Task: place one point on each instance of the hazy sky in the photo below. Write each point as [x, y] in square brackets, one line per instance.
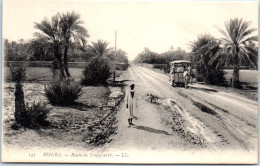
[154, 24]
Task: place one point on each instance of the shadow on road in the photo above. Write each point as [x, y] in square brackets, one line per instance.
[152, 130]
[202, 88]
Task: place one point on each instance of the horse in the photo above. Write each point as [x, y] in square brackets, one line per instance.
[187, 75]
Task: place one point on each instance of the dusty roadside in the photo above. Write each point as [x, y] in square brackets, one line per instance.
[183, 119]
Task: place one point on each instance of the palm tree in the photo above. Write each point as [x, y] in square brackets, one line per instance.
[52, 32]
[99, 48]
[203, 49]
[72, 30]
[237, 46]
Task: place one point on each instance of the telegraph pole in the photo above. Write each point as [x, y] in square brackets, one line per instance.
[115, 59]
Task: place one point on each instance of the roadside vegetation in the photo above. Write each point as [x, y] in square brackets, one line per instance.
[57, 99]
[203, 49]
[210, 56]
[96, 72]
[238, 47]
[63, 93]
[30, 115]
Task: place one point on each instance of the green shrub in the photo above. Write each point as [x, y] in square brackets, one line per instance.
[122, 66]
[203, 50]
[36, 114]
[211, 74]
[199, 77]
[63, 93]
[96, 72]
[18, 74]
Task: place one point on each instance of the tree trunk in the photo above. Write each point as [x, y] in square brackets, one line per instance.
[61, 67]
[235, 79]
[55, 67]
[66, 58]
[57, 55]
[20, 111]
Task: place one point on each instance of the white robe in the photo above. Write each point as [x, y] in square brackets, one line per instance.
[131, 104]
[172, 78]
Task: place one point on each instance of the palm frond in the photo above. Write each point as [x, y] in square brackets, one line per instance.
[250, 39]
[46, 27]
[245, 34]
[237, 35]
[226, 41]
[250, 56]
[214, 58]
[223, 32]
[99, 48]
[72, 28]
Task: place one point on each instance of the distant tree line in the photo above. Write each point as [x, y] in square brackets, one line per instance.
[148, 56]
[34, 51]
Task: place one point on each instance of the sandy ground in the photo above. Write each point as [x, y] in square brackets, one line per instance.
[184, 119]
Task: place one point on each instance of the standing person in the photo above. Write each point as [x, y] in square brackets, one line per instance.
[131, 103]
[187, 76]
[172, 76]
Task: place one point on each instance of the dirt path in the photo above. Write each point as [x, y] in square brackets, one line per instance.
[184, 119]
[148, 132]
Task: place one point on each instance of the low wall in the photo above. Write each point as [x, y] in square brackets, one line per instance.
[48, 64]
[44, 64]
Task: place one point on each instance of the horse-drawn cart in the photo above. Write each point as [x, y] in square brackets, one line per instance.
[180, 72]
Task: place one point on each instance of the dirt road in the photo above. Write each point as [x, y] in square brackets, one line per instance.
[171, 118]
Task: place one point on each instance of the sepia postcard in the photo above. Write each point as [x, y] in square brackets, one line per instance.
[147, 82]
